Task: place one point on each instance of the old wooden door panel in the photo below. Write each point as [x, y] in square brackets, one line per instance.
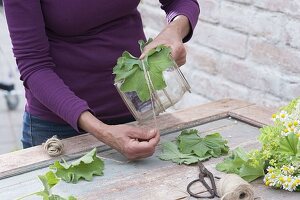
[150, 178]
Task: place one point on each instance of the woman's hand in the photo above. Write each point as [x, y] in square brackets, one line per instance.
[172, 37]
[133, 142]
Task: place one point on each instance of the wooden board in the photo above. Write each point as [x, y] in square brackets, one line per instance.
[149, 178]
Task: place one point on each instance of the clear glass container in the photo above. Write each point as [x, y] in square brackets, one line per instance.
[177, 86]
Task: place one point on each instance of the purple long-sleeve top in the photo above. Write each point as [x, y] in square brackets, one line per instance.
[65, 51]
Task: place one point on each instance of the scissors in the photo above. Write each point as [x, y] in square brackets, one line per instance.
[204, 173]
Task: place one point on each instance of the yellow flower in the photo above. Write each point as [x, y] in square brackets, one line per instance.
[281, 179]
[296, 123]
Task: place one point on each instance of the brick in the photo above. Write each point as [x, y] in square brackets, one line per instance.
[266, 99]
[203, 59]
[150, 32]
[215, 87]
[292, 33]
[250, 75]
[155, 4]
[264, 52]
[153, 18]
[291, 7]
[221, 39]
[236, 16]
[290, 87]
[210, 10]
[247, 2]
[188, 100]
[268, 25]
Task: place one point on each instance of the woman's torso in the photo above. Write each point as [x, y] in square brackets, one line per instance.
[86, 37]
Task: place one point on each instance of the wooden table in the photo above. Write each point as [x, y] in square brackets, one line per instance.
[150, 178]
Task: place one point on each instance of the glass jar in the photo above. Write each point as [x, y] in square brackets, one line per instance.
[161, 100]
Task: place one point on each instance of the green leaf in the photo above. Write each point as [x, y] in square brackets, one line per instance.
[142, 43]
[238, 163]
[289, 145]
[48, 180]
[250, 173]
[130, 73]
[57, 197]
[137, 82]
[171, 152]
[84, 168]
[192, 148]
[234, 162]
[191, 142]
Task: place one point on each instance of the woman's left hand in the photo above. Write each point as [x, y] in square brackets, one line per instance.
[172, 37]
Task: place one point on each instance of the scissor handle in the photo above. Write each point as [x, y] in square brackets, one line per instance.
[211, 191]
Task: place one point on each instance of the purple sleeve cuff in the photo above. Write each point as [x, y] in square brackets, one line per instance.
[188, 8]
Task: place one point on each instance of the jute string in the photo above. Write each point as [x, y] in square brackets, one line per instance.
[233, 187]
[53, 146]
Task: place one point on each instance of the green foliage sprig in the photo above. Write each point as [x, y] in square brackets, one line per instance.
[279, 157]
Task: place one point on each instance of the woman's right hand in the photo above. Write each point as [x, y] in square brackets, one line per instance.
[133, 142]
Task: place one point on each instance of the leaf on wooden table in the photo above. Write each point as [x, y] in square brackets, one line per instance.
[83, 168]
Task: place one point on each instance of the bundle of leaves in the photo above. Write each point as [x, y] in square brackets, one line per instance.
[279, 158]
[190, 148]
[130, 70]
[49, 180]
[83, 168]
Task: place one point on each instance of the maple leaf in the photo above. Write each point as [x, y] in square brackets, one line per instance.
[170, 152]
[83, 168]
[129, 70]
[190, 142]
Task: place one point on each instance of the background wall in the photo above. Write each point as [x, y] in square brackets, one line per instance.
[244, 49]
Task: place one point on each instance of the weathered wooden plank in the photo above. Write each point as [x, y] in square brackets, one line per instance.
[35, 158]
[149, 178]
[148, 173]
[255, 115]
[196, 115]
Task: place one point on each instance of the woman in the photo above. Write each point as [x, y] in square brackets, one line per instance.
[65, 52]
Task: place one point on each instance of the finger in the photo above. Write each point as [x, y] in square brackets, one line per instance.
[155, 140]
[180, 62]
[142, 135]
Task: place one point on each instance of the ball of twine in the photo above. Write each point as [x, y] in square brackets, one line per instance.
[233, 187]
[53, 146]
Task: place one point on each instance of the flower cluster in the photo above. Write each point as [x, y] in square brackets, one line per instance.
[278, 159]
[283, 178]
[283, 165]
[291, 122]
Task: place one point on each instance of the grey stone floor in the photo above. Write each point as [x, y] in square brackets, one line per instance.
[10, 121]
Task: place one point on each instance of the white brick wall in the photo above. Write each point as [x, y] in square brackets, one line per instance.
[243, 49]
